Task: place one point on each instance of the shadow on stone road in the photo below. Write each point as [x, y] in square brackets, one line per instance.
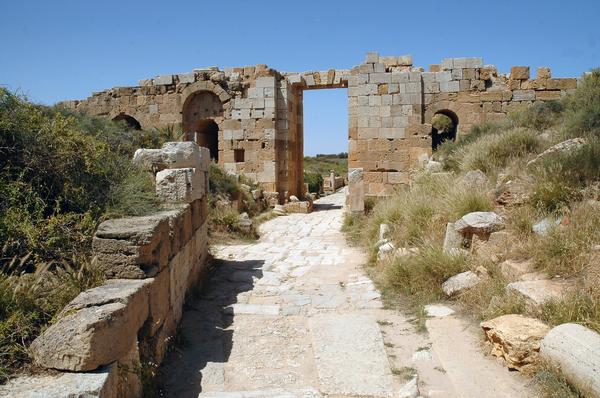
[203, 345]
[325, 207]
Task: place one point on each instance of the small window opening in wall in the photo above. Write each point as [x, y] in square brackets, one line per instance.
[238, 155]
[444, 125]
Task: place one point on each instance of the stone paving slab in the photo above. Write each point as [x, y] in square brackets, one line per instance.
[350, 355]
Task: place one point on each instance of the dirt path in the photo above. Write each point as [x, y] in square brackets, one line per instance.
[293, 315]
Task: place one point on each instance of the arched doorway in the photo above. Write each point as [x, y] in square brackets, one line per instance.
[444, 125]
[129, 120]
[206, 134]
[202, 113]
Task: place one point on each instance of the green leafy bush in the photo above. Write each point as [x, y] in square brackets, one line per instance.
[314, 181]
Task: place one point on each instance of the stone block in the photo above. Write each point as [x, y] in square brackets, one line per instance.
[519, 73]
[265, 81]
[97, 328]
[400, 77]
[543, 73]
[524, 95]
[405, 60]
[186, 78]
[99, 383]
[133, 247]
[163, 80]
[575, 351]
[479, 223]
[379, 78]
[516, 339]
[459, 283]
[449, 87]
[539, 292]
[452, 240]
[447, 63]
[180, 185]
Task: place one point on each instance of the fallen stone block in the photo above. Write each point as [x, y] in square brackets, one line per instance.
[460, 282]
[538, 292]
[452, 239]
[575, 351]
[561, 147]
[133, 247]
[479, 223]
[438, 310]
[95, 329]
[516, 339]
[475, 179]
[513, 270]
[298, 207]
[180, 185]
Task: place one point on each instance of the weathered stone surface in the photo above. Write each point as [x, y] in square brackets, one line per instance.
[298, 207]
[438, 310]
[519, 72]
[98, 327]
[173, 155]
[102, 383]
[538, 292]
[452, 239]
[133, 247]
[460, 282]
[475, 179]
[561, 147]
[516, 339]
[494, 248]
[479, 223]
[180, 185]
[542, 227]
[409, 390]
[384, 231]
[575, 351]
[513, 270]
[149, 159]
[350, 339]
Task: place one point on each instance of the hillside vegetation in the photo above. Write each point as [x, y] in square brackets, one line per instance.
[61, 174]
[562, 187]
[319, 166]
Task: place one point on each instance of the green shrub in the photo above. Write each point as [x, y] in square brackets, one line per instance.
[314, 181]
[494, 151]
[420, 277]
[539, 116]
[582, 114]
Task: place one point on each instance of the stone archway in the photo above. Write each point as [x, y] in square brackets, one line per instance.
[201, 115]
[129, 120]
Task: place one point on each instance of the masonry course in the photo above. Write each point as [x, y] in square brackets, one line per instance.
[258, 113]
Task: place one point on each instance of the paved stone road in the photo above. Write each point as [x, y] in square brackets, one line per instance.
[293, 315]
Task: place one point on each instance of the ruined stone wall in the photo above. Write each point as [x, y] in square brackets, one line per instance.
[101, 339]
[391, 104]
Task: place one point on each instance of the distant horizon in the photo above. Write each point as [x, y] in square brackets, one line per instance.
[66, 50]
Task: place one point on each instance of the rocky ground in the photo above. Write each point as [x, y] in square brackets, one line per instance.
[294, 315]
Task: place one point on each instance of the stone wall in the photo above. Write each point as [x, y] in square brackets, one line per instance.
[391, 104]
[101, 340]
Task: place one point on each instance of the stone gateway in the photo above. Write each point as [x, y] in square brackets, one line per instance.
[251, 118]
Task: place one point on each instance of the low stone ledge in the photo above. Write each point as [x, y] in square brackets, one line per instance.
[133, 247]
[97, 328]
[101, 383]
[575, 351]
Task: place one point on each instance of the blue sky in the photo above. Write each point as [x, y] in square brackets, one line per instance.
[56, 50]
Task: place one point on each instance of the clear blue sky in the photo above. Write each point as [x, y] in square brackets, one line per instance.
[56, 50]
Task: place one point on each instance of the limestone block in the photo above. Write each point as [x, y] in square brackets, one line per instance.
[475, 179]
[400, 77]
[479, 223]
[516, 339]
[97, 328]
[523, 95]
[163, 80]
[452, 239]
[575, 351]
[543, 73]
[265, 81]
[133, 247]
[180, 185]
[99, 383]
[460, 282]
[449, 87]
[447, 63]
[187, 78]
[298, 207]
[538, 292]
[186, 154]
[149, 159]
[513, 270]
[519, 73]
